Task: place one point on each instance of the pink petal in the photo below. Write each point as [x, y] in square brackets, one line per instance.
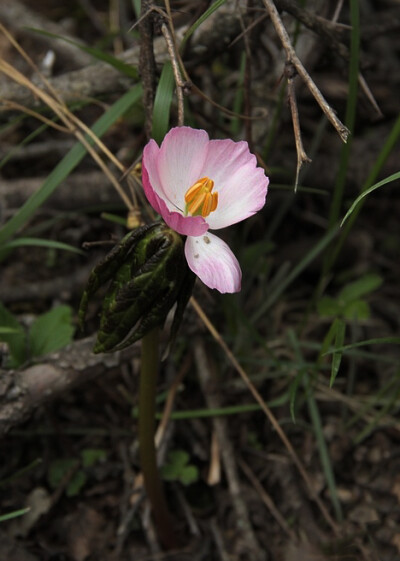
[185, 225]
[151, 181]
[180, 161]
[213, 262]
[241, 185]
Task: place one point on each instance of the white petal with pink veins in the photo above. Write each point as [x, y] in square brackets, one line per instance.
[185, 225]
[211, 259]
[180, 161]
[240, 184]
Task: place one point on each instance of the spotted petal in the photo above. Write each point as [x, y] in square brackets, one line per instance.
[211, 259]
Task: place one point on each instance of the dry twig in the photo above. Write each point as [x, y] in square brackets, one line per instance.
[147, 63]
[18, 16]
[302, 157]
[293, 59]
[271, 417]
[101, 78]
[207, 383]
[175, 68]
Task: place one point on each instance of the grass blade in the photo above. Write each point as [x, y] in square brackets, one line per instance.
[389, 179]
[351, 109]
[318, 429]
[162, 103]
[379, 341]
[201, 19]
[380, 161]
[98, 54]
[339, 330]
[67, 164]
[14, 514]
[40, 242]
[295, 272]
[323, 452]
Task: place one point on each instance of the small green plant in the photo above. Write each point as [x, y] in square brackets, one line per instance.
[48, 333]
[74, 470]
[177, 468]
[350, 303]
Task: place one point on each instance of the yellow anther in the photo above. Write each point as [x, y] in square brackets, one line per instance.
[199, 199]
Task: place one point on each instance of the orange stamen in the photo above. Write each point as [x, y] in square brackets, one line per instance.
[199, 199]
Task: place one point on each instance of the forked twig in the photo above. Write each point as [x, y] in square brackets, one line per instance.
[293, 59]
[302, 157]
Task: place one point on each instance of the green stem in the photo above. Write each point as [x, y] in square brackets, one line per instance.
[147, 449]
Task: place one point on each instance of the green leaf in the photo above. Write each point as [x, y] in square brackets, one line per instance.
[339, 329]
[74, 487]
[148, 274]
[361, 287]
[189, 475]
[162, 103]
[177, 464]
[91, 456]
[14, 335]
[328, 306]
[59, 469]
[51, 331]
[178, 458]
[68, 164]
[358, 309]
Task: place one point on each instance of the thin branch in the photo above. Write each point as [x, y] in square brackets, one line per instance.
[57, 105]
[147, 63]
[23, 391]
[291, 56]
[207, 382]
[180, 84]
[302, 157]
[271, 417]
[267, 500]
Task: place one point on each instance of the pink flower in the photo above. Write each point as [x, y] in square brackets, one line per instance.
[197, 184]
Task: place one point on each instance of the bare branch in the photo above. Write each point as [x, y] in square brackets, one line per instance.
[180, 84]
[341, 129]
[22, 391]
[302, 157]
[101, 78]
[147, 63]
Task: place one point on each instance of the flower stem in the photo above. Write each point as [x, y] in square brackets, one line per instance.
[147, 449]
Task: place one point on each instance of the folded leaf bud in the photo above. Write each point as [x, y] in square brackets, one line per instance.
[147, 274]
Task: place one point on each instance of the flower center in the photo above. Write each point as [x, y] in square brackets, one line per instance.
[199, 199]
